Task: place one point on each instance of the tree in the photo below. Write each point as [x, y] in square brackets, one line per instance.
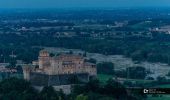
[136, 72]
[52, 55]
[161, 79]
[48, 93]
[121, 73]
[105, 68]
[16, 89]
[81, 97]
[168, 73]
[93, 85]
[114, 89]
[85, 54]
[106, 98]
[12, 63]
[70, 52]
[149, 78]
[91, 60]
[19, 69]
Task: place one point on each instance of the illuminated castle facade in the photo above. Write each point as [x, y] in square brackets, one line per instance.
[58, 69]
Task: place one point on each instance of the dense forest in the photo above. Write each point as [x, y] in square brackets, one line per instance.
[27, 46]
[18, 89]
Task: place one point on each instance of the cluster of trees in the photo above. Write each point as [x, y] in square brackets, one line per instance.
[105, 68]
[91, 60]
[18, 89]
[25, 53]
[110, 91]
[136, 72]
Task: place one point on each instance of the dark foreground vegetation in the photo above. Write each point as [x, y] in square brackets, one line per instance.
[18, 89]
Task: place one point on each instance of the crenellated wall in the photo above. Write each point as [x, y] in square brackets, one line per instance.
[64, 64]
[57, 71]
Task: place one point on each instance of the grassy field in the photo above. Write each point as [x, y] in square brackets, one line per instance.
[140, 81]
[103, 78]
[164, 97]
[163, 86]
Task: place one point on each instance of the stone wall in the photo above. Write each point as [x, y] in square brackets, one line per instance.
[65, 88]
[38, 79]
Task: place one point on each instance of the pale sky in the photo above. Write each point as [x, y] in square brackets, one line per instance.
[82, 3]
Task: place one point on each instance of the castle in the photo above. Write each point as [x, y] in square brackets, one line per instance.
[57, 70]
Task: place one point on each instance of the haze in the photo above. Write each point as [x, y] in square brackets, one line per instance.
[82, 3]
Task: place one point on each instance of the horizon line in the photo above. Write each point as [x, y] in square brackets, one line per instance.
[79, 8]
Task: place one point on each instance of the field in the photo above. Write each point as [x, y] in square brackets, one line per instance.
[163, 86]
[139, 81]
[163, 97]
[103, 78]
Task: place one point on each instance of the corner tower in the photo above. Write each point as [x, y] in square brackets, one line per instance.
[44, 59]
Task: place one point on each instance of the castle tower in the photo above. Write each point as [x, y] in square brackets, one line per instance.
[44, 59]
[26, 71]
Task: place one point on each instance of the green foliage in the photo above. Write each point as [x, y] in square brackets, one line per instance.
[81, 97]
[70, 52]
[93, 85]
[113, 88]
[168, 73]
[105, 68]
[85, 54]
[155, 49]
[48, 93]
[12, 63]
[19, 69]
[95, 91]
[121, 73]
[161, 79]
[16, 89]
[106, 98]
[91, 60]
[104, 77]
[52, 55]
[136, 72]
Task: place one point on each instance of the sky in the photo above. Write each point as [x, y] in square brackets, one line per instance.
[82, 3]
